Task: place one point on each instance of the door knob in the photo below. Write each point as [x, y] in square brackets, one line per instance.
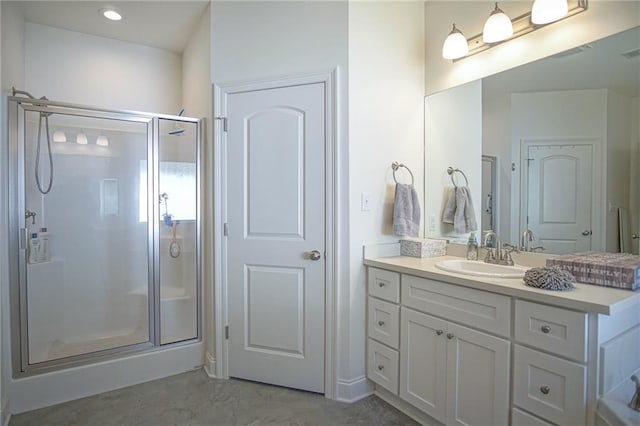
[314, 255]
[635, 236]
[587, 233]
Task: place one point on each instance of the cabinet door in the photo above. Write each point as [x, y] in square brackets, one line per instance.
[477, 378]
[423, 362]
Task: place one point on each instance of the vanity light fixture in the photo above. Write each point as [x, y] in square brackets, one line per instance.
[81, 139]
[111, 14]
[498, 27]
[547, 11]
[544, 12]
[455, 46]
[59, 136]
[102, 141]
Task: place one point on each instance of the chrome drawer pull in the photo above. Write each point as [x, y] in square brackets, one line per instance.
[439, 332]
[450, 336]
[381, 323]
[545, 329]
[545, 389]
[381, 367]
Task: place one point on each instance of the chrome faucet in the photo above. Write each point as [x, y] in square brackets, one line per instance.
[527, 238]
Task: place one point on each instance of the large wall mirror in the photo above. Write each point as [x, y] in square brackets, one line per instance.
[563, 137]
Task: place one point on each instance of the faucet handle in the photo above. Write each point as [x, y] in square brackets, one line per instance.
[490, 256]
[507, 260]
[541, 248]
[508, 248]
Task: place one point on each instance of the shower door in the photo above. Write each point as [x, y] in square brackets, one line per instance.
[90, 263]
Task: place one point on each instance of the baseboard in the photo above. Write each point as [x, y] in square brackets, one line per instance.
[353, 390]
[5, 416]
[210, 365]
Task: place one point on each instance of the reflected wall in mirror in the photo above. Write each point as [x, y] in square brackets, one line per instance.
[564, 130]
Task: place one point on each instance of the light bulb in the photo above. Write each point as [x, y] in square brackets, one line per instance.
[81, 139]
[545, 11]
[59, 136]
[455, 46]
[498, 27]
[102, 141]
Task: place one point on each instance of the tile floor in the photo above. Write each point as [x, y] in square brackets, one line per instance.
[194, 399]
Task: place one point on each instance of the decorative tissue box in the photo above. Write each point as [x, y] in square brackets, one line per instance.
[619, 270]
[416, 247]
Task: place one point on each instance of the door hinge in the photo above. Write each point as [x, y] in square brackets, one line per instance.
[226, 332]
[225, 229]
[224, 123]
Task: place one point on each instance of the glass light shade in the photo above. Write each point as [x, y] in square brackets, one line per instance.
[455, 46]
[498, 27]
[102, 141]
[545, 11]
[59, 136]
[81, 139]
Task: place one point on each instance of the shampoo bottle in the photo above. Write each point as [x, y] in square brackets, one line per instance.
[34, 248]
[44, 254]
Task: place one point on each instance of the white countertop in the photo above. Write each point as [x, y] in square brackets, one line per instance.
[585, 297]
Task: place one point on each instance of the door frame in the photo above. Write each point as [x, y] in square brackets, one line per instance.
[221, 92]
[520, 198]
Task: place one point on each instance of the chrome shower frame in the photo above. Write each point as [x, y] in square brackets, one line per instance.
[16, 191]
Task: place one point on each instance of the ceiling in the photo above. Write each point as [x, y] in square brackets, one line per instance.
[161, 24]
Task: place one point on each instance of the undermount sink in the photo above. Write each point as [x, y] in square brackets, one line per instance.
[481, 269]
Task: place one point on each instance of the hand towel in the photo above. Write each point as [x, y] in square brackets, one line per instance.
[449, 207]
[464, 220]
[406, 211]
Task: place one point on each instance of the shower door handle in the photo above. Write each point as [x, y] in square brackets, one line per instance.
[23, 238]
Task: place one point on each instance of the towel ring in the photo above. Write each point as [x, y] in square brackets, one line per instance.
[395, 166]
[451, 171]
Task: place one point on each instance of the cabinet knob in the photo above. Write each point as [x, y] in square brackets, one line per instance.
[381, 367]
[381, 323]
[450, 336]
[380, 284]
[439, 332]
[545, 389]
[545, 329]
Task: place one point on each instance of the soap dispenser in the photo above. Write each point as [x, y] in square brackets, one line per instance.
[472, 247]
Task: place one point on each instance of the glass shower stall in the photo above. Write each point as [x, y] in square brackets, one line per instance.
[104, 216]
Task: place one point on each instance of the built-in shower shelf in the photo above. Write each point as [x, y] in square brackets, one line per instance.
[53, 260]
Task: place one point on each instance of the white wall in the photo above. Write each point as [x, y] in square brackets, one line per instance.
[496, 141]
[386, 106]
[634, 197]
[259, 40]
[453, 126]
[197, 101]
[11, 74]
[618, 165]
[79, 68]
[601, 19]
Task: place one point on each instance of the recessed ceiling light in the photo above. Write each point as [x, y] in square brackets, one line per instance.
[111, 14]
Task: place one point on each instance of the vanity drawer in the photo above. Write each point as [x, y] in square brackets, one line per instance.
[384, 284]
[556, 330]
[522, 418]
[480, 309]
[383, 322]
[382, 366]
[551, 387]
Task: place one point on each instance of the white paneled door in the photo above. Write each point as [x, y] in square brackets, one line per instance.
[559, 195]
[276, 235]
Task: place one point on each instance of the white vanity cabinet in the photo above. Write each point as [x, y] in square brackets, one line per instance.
[456, 350]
